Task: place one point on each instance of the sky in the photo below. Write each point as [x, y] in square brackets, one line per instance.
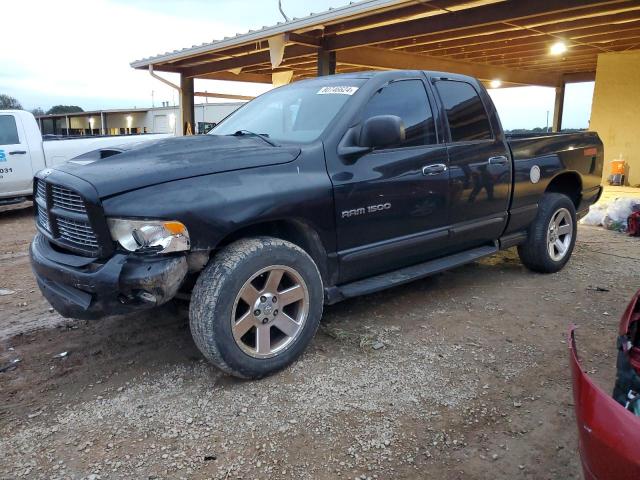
[78, 52]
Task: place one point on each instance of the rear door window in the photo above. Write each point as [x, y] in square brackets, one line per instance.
[408, 100]
[467, 117]
[8, 130]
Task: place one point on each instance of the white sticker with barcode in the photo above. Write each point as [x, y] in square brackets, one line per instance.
[339, 90]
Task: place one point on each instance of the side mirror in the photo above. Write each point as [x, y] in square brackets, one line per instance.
[382, 131]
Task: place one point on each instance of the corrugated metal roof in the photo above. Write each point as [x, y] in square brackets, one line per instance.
[313, 19]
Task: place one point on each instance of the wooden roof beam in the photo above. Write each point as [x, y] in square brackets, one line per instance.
[542, 55]
[547, 64]
[370, 57]
[541, 51]
[391, 16]
[470, 34]
[579, 77]
[303, 39]
[293, 64]
[514, 59]
[241, 77]
[254, 47]
[494, 13]
[583, 67]
[292, 51]
[227, 96]
[558, 67]
[602, 32]
[548, 23]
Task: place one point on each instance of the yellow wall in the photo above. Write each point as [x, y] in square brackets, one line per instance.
[615, 113]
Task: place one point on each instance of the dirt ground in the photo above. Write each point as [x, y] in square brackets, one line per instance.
[472, 381]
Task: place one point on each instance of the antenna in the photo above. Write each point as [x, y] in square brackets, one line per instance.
[282, 11]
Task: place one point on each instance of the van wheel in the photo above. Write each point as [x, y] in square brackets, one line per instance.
[551, 236]
[256, 306]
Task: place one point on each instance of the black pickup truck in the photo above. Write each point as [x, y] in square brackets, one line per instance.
[312, 193]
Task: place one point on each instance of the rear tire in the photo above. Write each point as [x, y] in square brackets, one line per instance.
[551, 236]
[256, 306]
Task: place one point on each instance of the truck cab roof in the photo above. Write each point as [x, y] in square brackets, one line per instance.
[393, 74]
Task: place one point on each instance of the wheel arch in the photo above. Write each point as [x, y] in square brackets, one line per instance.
[295, 231]
[567, 183]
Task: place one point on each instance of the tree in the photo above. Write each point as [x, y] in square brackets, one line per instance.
[9, 103]
[64, 109]
[37, 112]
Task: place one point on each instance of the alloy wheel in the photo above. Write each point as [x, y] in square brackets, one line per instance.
[559, 234]
[270, 311]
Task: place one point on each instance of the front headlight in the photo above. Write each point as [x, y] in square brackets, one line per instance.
[158, 236]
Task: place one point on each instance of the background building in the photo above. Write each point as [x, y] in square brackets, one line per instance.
[133, 121]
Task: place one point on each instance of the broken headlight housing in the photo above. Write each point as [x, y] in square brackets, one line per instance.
[158, 236]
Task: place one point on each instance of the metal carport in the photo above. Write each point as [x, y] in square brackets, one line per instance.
[506, 40]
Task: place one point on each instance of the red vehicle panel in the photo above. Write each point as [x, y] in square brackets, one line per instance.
[632, 315]
[609, 434]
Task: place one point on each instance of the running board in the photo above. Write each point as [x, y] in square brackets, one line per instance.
[405, 275]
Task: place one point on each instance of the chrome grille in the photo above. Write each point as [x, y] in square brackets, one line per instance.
[67, 199]
[41, 189]
[76, 232]
[43, 218]
[61, 214]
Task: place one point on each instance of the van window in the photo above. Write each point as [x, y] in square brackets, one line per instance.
[408, 100]
[8, 130]
[467, 117]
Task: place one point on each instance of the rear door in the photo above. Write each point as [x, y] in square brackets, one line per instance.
[389, 212]
[479, 164]
[15, 159]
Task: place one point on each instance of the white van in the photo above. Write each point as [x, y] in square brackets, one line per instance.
[23, 152]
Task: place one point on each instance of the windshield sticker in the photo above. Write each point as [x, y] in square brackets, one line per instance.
[342, 90]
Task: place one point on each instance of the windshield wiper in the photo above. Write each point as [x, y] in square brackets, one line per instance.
[263, 136]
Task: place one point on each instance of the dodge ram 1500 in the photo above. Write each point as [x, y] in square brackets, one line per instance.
[312, 193]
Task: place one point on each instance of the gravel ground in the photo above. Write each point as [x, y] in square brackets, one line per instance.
[459, 376]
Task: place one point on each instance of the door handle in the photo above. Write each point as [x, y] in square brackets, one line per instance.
[434, 169]
[499, 160]
[18, 152]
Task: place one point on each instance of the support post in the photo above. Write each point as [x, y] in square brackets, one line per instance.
[326, 62]
[558, 107]
[186, 104]
[103, 125]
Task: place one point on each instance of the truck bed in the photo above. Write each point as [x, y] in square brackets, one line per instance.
[580, 152]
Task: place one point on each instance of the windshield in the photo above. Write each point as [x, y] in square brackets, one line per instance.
[294, 113]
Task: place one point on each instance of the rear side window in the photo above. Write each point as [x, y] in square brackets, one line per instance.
[408, 100]
[8, 130]
[467, 117]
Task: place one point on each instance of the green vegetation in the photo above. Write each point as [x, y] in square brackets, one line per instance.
[9, 103]
[64, 109]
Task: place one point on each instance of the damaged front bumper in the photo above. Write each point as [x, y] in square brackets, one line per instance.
[609, 433]
[87, 288]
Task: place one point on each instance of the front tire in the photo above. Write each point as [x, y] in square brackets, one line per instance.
[551, 236]
[256, 306]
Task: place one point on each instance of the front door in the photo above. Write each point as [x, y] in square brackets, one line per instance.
[15, 159]
[480, 167]
[391, 203]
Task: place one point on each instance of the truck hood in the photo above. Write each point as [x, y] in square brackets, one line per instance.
[114, 170]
